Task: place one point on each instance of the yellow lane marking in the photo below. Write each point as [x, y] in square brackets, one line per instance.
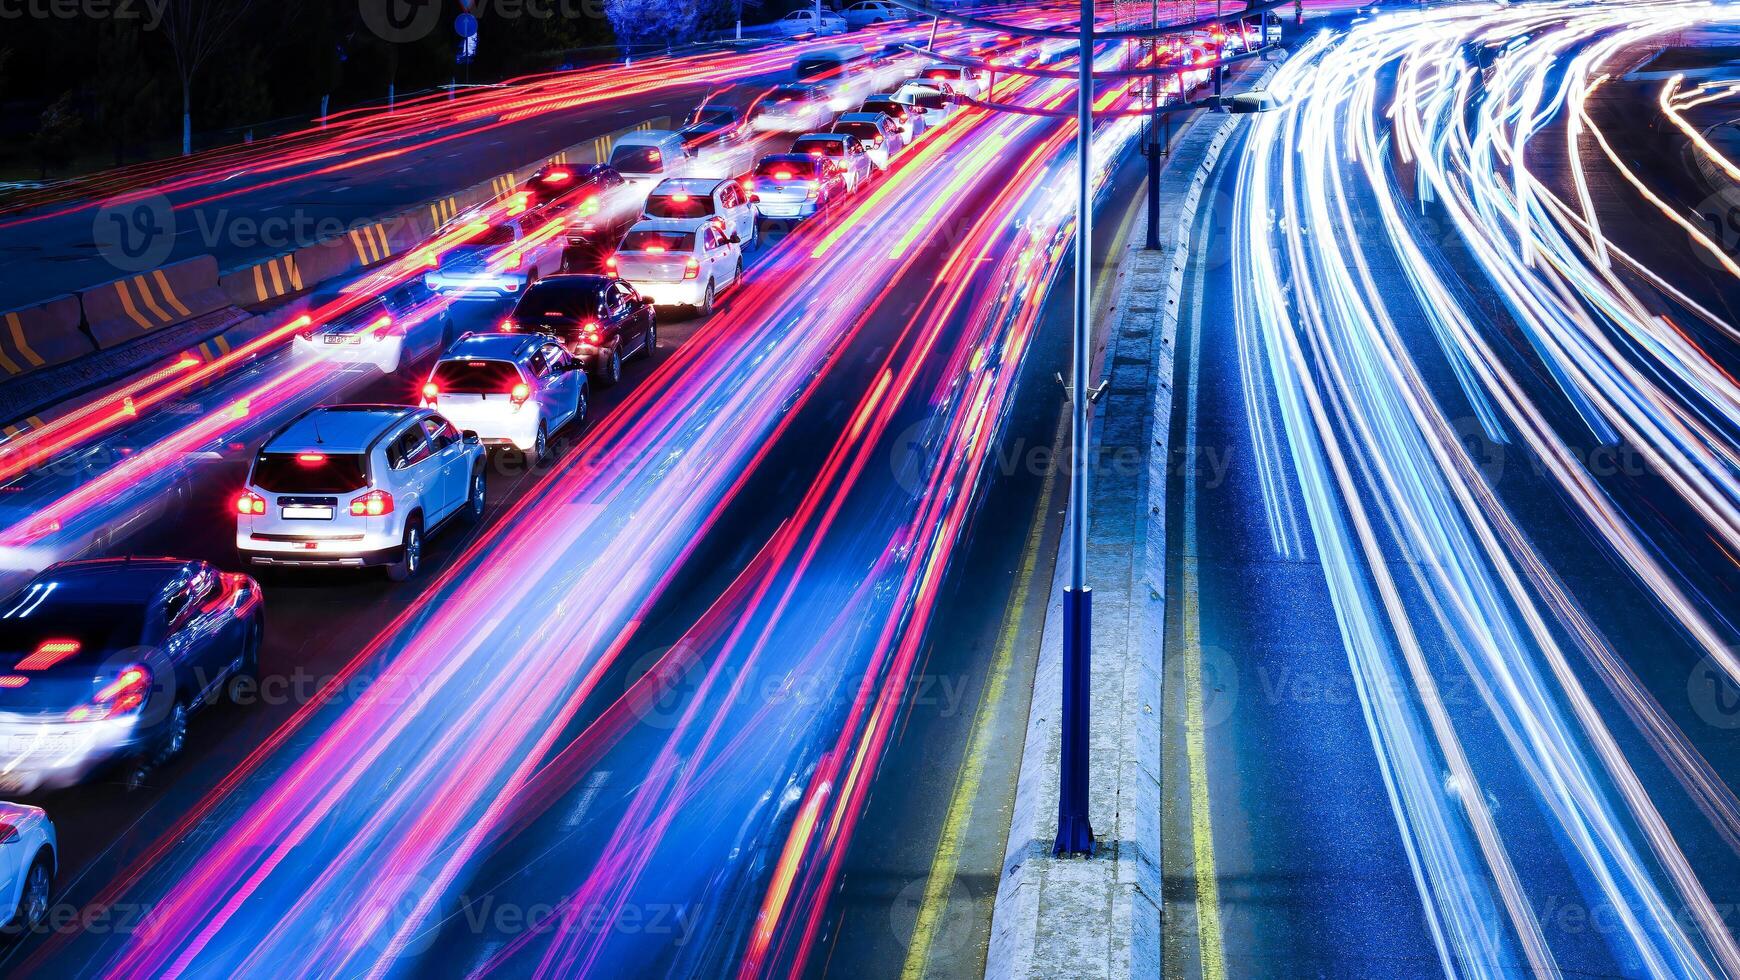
[1195, 745]
[946, 861]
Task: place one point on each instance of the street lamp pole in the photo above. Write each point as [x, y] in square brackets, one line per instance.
[1075, 835]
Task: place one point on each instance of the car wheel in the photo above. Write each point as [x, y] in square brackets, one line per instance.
[247, 663]
[479, 498]
[610, 371]
[34, 897]
[411, 554]
[706, 307]
[540, 450]
[652, 340]
[580, 408]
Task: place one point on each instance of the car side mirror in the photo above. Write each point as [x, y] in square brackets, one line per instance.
[734, 239]
[471, 438]
[755, 199]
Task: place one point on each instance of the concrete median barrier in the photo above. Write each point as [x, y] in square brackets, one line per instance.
[120, 311]
[42, 336]
[263, 282]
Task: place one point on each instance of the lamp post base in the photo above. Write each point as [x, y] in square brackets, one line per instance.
[1075, 835]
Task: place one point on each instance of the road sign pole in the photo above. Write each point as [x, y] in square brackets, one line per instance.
[1075, 835]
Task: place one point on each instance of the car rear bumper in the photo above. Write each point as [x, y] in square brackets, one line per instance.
[340, 545]
[482, 285]
[383, 353]
[688, 292]
[42, 754]
[772, 207]
[499, 427]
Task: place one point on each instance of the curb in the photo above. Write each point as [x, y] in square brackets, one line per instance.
[1101, 917]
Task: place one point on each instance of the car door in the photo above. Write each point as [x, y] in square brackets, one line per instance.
[416, 473]
[555, 384]
[201, 635]
[735, 206]
[448, 448]
[636, 316]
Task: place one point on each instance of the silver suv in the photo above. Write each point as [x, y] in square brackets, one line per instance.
[356, 485]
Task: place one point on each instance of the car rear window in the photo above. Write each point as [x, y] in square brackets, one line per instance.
[885, 106]
[819, 144]
[310, 472]
[716, 115]
[94, 626]
[790, 168]
[679, 205]
[863, 130]
[788, 95]
[474, 377]
[556, 302]
[658, 241]
[638, 159]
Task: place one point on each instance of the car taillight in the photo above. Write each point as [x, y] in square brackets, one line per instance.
[812, 186]
[431, 391]
[691, 268]
[520, 393]
[680, 198]
[590, 332]
[557, 176]
[610, 262]
[250, 503]
[782, 175]
[307, 332]
[507, 325]
[123, 695]
[375, 503]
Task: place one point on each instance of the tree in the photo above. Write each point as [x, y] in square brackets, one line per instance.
[122, 89]
[640, 21]
[56, 134]
[194, 29]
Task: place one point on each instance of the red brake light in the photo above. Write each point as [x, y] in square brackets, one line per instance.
[375, 503]
[680, 198]
[431, 392]
[250, 503]
[47, 654]
[311, 459]
[782, 175]
[507, 325]
[610, 262]
[120, 696]
[520, 393]
[654, 155]
[655, 250]
[557, 176]
[691, 268]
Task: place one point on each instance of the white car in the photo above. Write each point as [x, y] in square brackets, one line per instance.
[647, 156]
[793, 108]
[959, 78]
[871, 12]
[386, 331]
[806, 21]
[847, 152]
[499, 262]
[936, 102]
[703, 197]
[358, 485]
[680, 262]
[27, 864]
[513, 390]
[880, 135]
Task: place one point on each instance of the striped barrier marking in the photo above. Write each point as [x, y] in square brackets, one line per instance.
[371, 243]
[503, 185]
[154, 314]
[443, 211]
[15, 327]
[277, 277]
[14, 431]
[213, 349]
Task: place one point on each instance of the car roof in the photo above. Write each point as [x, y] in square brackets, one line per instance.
[574, 281]
[674, 224]
[689, 185]
[646, 137]
[865, 117]
[113, 580]
[492, 346]
[786, 158]
[338, 428]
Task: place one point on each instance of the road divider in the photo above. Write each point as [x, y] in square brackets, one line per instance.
[126, 309]
[42, 336]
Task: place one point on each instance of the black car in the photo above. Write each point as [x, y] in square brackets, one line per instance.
[714, 125]
[600, 320]
[102, 661]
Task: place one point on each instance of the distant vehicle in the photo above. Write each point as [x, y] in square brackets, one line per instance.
[680, 261]
[933, 103]
[108, 659]
[807, 21]
[650, 155]
[790, 109]
[959, 78]
[845, 150]
[500, 261]
[28, 864]
[881, 137]
[910, 122]
[715, 126]
[895, 55]
[700, 197]
[359, 485]
[402, 324]
[834, 72]
[514, 390]
[600, 319]
[795, 186]
[871, 12]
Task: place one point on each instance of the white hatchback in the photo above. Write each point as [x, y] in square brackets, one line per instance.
[873, 12]
[703, 197]
[680, 262]
[27, 864]
[513, 390]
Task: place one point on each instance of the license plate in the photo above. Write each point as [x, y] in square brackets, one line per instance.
[341, 338]
[299, 512]
[47, 743]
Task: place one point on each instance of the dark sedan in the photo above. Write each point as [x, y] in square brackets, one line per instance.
[102, 661]
[600, 319]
